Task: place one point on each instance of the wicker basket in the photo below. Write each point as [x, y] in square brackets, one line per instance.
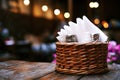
[74, 58]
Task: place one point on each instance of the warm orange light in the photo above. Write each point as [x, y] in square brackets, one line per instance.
[96, 21]
[37, 11]
[105, 24]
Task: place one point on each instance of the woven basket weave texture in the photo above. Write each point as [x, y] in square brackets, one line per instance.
[73, 58]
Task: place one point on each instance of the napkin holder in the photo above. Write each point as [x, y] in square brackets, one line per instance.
[75, 58]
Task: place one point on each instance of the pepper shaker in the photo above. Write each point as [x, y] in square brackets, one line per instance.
[71, 38]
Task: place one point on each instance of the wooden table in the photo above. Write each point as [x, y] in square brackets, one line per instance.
[23, 70]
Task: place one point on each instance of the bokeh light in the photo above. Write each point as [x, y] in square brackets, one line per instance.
[44, 8]
[66, 14]
[56, 11]
[105, 24]
[26, 2]
[93, 4]
[96, 21]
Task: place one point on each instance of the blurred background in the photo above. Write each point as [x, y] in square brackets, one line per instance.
[28, 27]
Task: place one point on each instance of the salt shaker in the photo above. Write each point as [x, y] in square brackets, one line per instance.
[71, 38]
[95, 37]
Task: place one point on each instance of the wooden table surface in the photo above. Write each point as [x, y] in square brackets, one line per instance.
[23, 70]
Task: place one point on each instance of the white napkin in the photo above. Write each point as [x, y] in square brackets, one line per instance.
[83, 29]
[84, 35]
[94, 29]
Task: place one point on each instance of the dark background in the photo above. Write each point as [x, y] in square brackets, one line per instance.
[20, 24]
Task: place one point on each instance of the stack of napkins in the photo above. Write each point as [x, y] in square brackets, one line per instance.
[83, 30]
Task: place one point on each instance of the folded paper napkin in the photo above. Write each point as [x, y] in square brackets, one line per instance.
[84, 30]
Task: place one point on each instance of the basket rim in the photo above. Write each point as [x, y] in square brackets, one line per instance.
[76, 43]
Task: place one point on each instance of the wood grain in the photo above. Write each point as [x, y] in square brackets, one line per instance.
[57, 76]
[113, 74]
[23, 70]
